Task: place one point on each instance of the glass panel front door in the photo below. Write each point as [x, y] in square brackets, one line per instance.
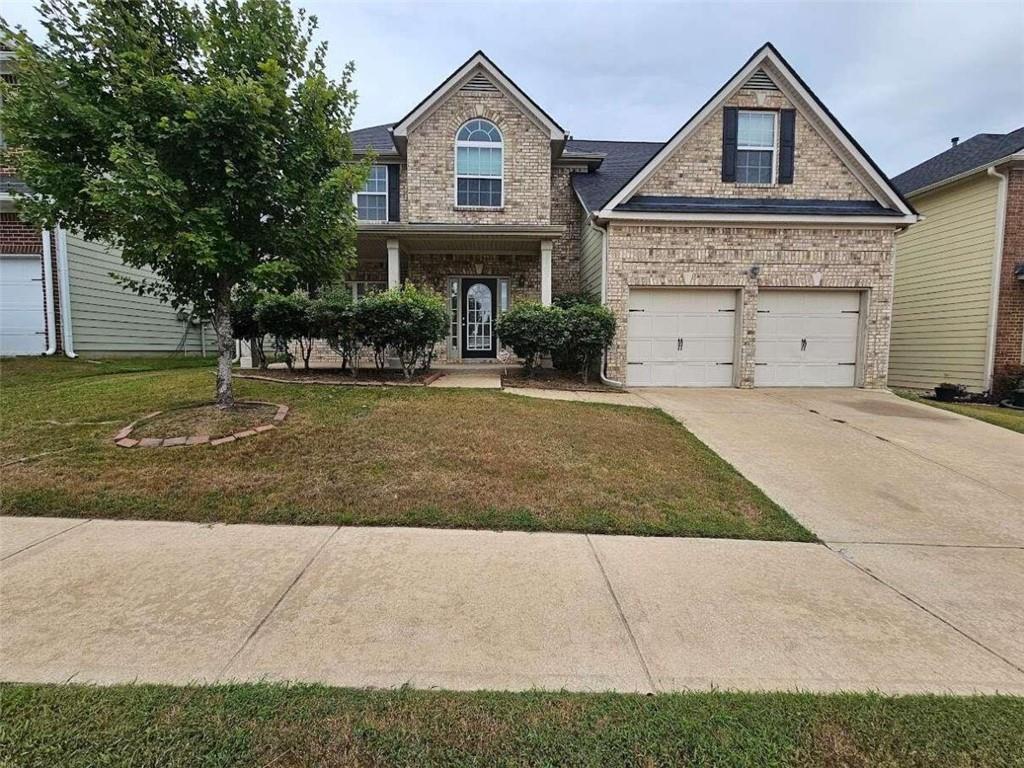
[478, 339]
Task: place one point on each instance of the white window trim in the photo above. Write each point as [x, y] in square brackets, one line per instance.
[455, 167]
[774, 148]
[353, 286]
[386, 194]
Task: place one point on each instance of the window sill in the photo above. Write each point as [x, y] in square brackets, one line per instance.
[479, 208]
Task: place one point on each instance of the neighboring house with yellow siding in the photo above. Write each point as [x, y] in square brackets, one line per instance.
[958, 309]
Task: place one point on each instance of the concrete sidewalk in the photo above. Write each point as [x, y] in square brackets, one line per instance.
[108, 601]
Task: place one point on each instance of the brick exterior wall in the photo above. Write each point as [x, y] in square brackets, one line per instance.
[567, 212]
[1010, 317]
[664, 255]
[696, 167]
[430, 187]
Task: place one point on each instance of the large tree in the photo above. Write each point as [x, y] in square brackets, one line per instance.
[206, 141]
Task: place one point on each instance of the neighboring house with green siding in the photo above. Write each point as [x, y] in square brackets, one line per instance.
[958, 308]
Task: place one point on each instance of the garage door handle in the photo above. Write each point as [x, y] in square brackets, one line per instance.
[803, 345]
[679, 345]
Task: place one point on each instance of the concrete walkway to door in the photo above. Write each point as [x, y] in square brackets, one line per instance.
[109, 601]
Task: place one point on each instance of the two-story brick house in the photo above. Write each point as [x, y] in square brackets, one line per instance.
[753, 248]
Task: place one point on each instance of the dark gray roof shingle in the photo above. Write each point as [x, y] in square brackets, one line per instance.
[622, 161]
[376, 137]
[977, 152]
[673, 204]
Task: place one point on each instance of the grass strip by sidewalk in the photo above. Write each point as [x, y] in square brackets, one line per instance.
[289, 726]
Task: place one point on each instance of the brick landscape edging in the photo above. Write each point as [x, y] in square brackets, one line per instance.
[123, 438]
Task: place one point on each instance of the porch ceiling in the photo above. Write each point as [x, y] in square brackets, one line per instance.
[456, 238]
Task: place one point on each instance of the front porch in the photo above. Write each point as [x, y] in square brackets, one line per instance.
[482, 269]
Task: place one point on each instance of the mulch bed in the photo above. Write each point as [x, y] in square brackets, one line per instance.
[368, 377]
[547, 378]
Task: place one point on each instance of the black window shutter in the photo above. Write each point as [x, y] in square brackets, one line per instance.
[729, 122]
[787, 141]
[394, 214]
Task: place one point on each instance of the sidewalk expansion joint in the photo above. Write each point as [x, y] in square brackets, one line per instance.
[846, 558]
[622, 617]
[280, 599]
[45, 539]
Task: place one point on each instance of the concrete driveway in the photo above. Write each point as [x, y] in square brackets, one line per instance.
[928, 503]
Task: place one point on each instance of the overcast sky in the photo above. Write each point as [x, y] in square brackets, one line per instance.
[902, 77]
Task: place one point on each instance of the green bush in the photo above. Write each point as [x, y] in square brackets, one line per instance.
[532, 330]
[336, 321]
[590, 329]
[569, 300]
[406, 321]
[244, 325]
[288, 318]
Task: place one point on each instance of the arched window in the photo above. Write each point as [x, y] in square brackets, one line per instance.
[478, 165]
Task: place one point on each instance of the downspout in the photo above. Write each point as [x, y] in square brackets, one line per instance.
[604, 301]
[51, 326]
[997, 268]
[65, 291]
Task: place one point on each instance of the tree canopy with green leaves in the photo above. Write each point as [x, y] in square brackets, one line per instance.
[207, 141]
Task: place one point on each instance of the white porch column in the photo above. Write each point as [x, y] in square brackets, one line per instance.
[545, 272]
[394, 278]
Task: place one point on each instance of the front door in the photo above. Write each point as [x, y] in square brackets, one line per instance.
[478, 333]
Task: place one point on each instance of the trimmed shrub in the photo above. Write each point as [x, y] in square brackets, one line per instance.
[407, 321]
[532, 330]
[590, 329]
[569, 300]
[335, 320]
[288, 318]
[244, 325]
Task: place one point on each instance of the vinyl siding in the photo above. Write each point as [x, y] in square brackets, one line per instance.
[591, 248]
[107, 319]
[943, 288]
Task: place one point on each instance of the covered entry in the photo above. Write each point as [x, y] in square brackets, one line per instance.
[681, 337]
[807, 338]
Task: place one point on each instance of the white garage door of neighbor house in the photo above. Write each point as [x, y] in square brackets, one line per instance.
[21, 306]
[806, 338]
[679, 337]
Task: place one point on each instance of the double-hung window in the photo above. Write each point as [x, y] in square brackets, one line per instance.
[755, 147]
[372, 199]
[479, 165]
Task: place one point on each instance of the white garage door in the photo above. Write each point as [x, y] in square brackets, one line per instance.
[678, 337]
[21, 306]
[806, 338]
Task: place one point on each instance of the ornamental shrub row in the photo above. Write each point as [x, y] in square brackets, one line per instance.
[404, 322]
[576, 331]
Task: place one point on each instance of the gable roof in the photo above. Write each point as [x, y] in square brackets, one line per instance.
[976, 153]
[477, 61]
[376, 138]
[622, 159]
[891, 196]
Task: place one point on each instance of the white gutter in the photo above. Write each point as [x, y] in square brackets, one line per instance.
[752, 219]
[51, 328]
[65, 291]
[604, 298]
[997, 268]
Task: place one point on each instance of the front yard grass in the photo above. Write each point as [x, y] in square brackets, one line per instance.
[369, 456]
[1008, 418]
[288, 726]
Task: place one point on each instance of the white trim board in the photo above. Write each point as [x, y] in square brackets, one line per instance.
[767, 54]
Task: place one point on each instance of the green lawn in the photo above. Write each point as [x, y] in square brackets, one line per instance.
[993, 414]
[287, 727]
[367, 456]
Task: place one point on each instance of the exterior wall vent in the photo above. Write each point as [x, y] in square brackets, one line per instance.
[479, 83]
[759, 81]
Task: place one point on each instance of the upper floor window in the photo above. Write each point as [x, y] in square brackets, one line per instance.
[755, 147]
[372, 199]
[479, 165]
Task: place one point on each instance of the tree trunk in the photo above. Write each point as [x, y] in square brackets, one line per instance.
[225, 347]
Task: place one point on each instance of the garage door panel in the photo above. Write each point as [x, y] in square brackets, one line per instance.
[681, 337]
[806, 338]
[22, 331]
